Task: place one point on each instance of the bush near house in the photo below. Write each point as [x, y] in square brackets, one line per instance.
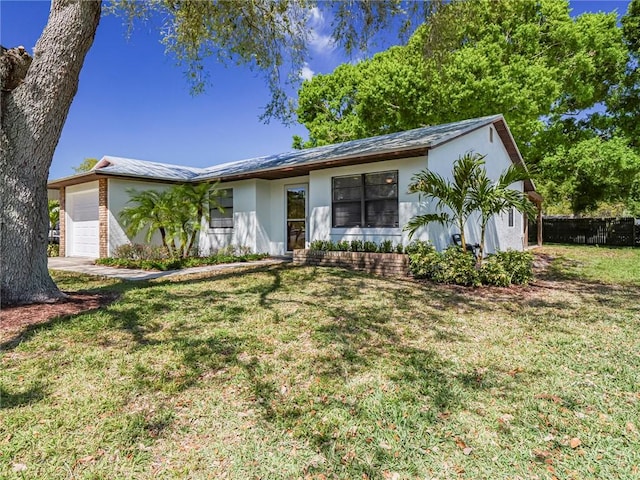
[53, 250]
[459, 267]
[151, 257]
[385, 246]
[453, 265]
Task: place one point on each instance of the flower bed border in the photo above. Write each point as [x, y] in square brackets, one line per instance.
[384, 264]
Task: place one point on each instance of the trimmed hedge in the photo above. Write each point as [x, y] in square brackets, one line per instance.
[150, 257]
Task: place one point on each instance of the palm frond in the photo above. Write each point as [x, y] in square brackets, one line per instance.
[420, 221]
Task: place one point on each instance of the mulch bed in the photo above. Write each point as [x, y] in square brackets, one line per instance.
[15, 320]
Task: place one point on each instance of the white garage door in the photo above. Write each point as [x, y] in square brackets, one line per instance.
[82, 229]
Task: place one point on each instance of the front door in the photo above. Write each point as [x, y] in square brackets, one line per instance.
[296, 207]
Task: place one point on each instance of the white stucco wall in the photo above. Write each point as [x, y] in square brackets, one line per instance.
[258, 217]
[499, 235]
[259, 206]
[117, 199]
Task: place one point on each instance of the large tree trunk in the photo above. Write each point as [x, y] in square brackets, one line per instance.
[33, 114]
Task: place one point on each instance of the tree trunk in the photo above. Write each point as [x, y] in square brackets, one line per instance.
[33, 114]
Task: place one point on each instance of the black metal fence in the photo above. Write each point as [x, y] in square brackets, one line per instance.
[588, 231]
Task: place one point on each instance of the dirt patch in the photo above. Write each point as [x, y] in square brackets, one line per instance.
[15, 320]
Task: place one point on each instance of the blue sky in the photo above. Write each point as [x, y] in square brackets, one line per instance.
[133, 101]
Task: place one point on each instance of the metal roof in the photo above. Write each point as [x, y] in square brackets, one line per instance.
[301, 162]
[393, 142]
[143, 168]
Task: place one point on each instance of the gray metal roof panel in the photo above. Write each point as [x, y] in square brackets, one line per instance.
[419, 137]
[394, 142]
[146, 169]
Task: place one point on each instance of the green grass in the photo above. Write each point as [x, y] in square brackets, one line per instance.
[600, 264]
[292, 372]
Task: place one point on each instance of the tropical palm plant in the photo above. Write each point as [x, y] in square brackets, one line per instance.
[177, 214]
[495, 197]
[54, 213]
[453, 195]
[151, 210]
[191, 202]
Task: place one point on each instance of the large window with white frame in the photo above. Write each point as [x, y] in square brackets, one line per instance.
[368, 200]
[224, 219]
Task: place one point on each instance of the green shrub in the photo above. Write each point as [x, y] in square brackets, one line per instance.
[424, 259]
[370, 247]
[418, 246]
[343, 246]
[399, 248]
[224, 255]
[519, 265]
[139, 251]
[386, 247]
[357, 246]
[316, 245]
[53, 250]
[493, 272]
[458, 267]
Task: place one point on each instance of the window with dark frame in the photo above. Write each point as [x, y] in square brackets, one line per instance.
[223, 219]
[369, 200]
[512, 215]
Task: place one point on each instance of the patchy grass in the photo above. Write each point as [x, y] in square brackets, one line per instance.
[609, 265]
[288, 372]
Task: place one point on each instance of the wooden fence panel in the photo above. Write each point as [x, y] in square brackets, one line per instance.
[589, 231]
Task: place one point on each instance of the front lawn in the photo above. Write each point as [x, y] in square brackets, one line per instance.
[302, 372]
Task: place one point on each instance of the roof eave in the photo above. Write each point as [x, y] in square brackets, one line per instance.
[72, 180]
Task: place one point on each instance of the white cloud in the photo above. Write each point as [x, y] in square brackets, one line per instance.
[306, 73]
[320, 39]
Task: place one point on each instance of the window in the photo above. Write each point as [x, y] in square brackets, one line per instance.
[512, 215]
[490, 134]
[368, 200]
[219, 219]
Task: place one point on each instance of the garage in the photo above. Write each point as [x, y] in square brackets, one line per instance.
[82, 229]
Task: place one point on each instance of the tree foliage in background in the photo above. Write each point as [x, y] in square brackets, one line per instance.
[86, 165]
[625, 102]
[583, 176]
[529, 60]
[523, 59]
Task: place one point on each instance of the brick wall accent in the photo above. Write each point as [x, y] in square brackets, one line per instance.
[385, 264]
[103, 216]
[63, 222]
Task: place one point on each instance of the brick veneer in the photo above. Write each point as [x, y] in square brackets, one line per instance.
[103, 216]
[385, 264]
[63, 223]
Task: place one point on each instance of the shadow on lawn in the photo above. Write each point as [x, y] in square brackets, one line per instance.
[32, 394]
[348, 340]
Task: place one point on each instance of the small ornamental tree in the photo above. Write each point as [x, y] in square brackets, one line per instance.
[471, 190]
[495, 197]
[190, 204]
[454, 195]
[54, 213]
[150, 210]
[177, 214]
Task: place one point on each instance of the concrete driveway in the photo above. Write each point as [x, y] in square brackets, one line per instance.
[86, 265]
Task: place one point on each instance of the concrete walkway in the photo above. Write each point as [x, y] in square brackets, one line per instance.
[86, 265]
